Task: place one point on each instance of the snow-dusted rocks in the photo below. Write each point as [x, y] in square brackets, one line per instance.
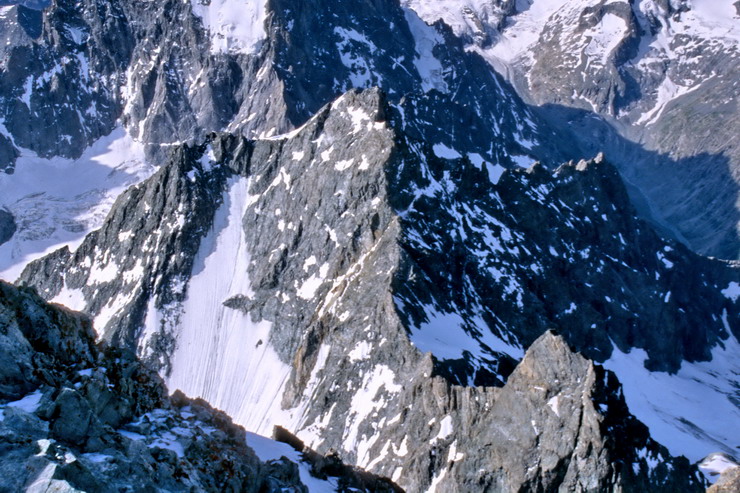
[661, 75]
[368, 268]
[315, 265]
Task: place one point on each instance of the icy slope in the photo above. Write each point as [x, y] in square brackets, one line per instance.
[216, 343]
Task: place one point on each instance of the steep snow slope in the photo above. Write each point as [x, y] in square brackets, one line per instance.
[215, 344]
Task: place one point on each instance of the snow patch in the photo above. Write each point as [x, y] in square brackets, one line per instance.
[309, 287]
[522, 161]
[715, 464]
[495, 172]
[29, 403]
[554, 404]
[269, 450]
[361, 72]
[236, 26]
[445, 429]
[444, 152]
[74, 299]
[604, 38]
[361, 351]
[732, 292]
[365, 402]
[443, 335]
[667, 92]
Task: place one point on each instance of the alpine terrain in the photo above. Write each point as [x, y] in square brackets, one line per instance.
[417, 245]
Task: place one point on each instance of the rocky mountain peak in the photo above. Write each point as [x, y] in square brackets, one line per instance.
[350, 207]
[358, 234]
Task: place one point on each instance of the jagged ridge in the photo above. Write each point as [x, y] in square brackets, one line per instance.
[327, 212]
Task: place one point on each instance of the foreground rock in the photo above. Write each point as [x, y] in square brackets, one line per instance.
[729, 482]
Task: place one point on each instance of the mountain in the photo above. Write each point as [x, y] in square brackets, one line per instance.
[358, 228]
[134, 82]
[342, 221]
[92, 415]
[651, 83]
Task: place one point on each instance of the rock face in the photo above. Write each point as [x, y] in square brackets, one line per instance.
[7, 226]
[341, 240]
[90, 65]
[558, 415]
[78, 417]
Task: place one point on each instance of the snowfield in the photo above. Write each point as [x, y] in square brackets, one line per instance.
[58, 201]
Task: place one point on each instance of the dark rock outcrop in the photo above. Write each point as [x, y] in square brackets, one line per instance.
[7, 226]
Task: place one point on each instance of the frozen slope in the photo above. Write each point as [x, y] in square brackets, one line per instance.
[221, 355]
[57, 201]
[694, 412]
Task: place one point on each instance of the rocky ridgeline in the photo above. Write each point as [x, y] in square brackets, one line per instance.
[76, 416]
[352, 221]
[154, 68]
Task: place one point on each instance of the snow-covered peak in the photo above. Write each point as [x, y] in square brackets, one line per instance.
[236, 26]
